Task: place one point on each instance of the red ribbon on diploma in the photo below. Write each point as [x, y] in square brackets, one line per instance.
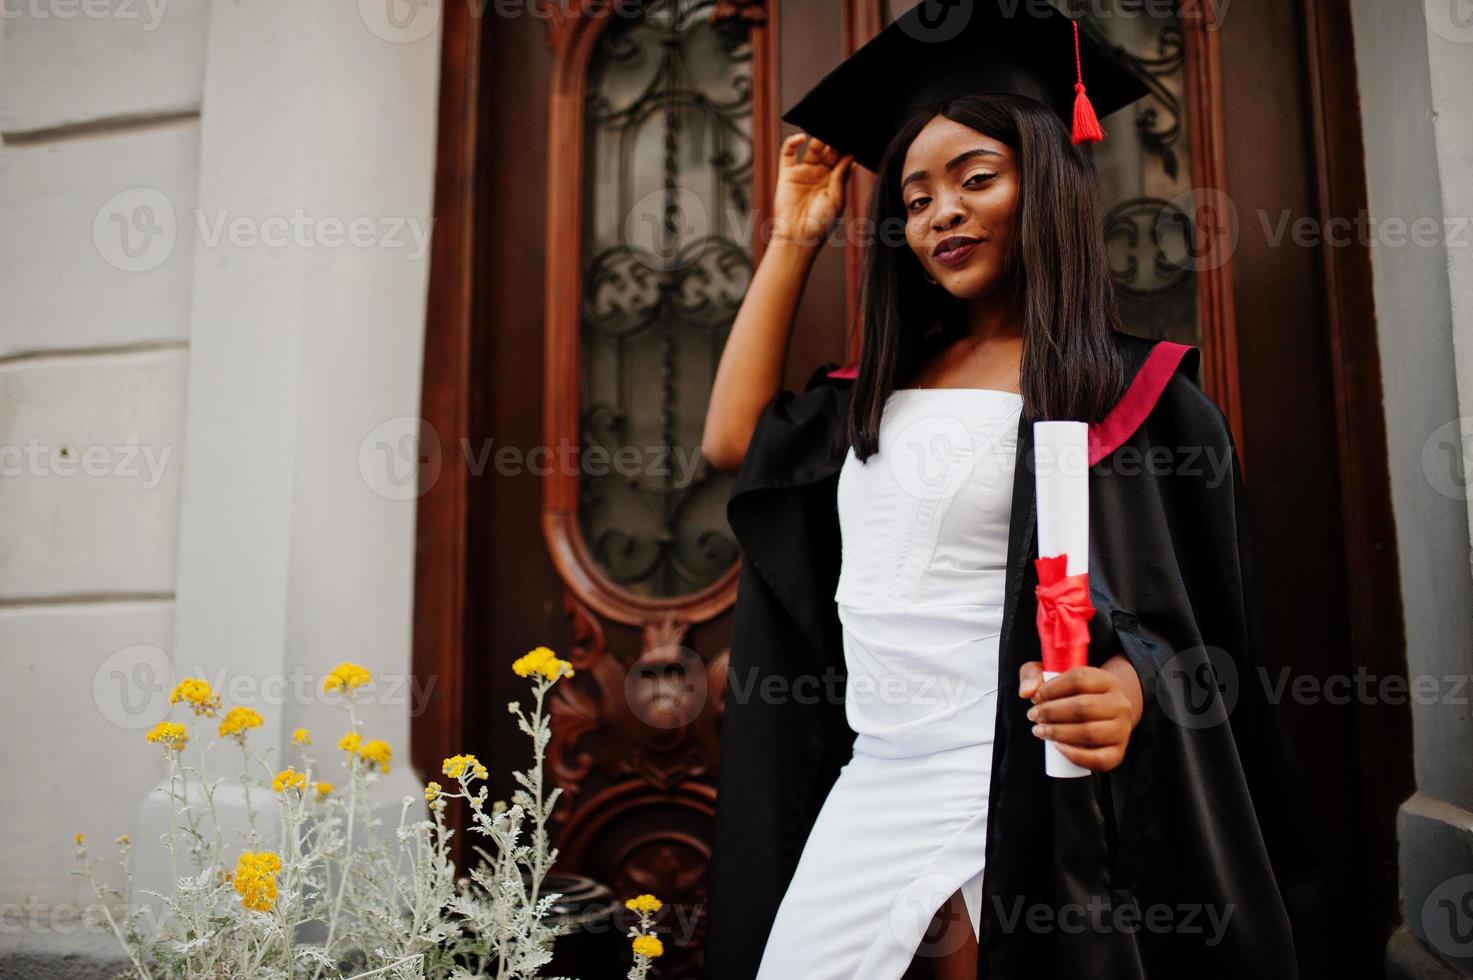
[1064, 610]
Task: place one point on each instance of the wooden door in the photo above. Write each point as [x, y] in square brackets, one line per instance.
[600, 179]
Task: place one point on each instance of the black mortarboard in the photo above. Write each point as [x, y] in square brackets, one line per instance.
[937, 50]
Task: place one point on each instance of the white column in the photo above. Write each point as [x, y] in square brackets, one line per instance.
[306, 331]
[1415, 61]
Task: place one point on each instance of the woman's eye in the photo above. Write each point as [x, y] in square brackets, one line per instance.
[974, 181]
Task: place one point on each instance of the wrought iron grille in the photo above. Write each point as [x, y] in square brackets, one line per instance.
[667, 182]
[1146, 182]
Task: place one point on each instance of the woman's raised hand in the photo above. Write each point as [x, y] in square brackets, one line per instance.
[809, 198]
[810, 195]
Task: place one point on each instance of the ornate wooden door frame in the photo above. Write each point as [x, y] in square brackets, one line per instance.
[451, 378]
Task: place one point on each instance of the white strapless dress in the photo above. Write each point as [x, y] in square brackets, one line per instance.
[904, 827]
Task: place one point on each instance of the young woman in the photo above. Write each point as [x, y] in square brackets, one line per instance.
[885, 519]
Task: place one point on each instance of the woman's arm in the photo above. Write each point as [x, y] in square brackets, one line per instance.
[809, 198]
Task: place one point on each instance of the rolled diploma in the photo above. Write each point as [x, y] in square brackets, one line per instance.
[1061, 465]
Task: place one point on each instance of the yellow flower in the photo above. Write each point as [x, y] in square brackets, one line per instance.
[323, 789]
[255, 879]
[541, 660]
[464, 765]
[287, 779]
[80, 839]
[648, 946]
[350, 742]
[237, 720]
[302, 737]
[124, 840]
[202, 700]
[170, 734]
[377, 753]
[644, 903]
[432, 792]
[346, 677]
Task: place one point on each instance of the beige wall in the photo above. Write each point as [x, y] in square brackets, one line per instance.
[226, 393]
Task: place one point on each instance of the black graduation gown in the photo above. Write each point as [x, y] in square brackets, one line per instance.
[1196, 854]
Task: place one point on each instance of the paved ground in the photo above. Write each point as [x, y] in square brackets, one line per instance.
[73, 955]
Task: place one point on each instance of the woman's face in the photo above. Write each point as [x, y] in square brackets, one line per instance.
[960, 191]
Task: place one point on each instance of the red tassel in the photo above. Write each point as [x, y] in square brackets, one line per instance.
[1086, 123]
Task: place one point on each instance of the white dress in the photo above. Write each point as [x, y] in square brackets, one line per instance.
[925, 532]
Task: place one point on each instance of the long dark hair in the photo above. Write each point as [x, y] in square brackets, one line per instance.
[1071, 367]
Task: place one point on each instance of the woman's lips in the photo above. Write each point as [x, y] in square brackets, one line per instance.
[957, 255]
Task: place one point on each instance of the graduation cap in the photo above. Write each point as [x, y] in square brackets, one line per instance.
[939, 49]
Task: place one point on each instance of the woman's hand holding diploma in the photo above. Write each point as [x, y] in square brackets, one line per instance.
[1088, 712]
